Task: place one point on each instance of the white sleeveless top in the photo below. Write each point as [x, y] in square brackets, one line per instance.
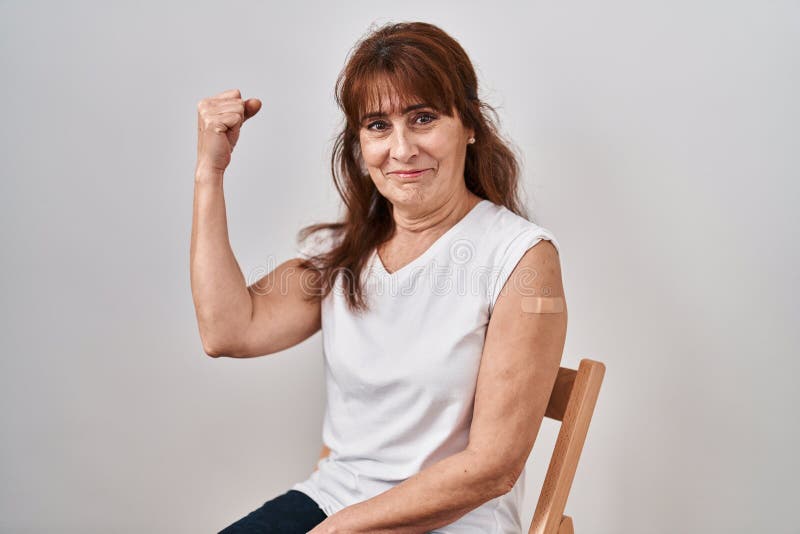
[401, 378]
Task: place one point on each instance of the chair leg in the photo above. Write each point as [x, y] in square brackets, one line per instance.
[566, 525]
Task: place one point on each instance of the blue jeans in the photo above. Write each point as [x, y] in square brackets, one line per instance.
[294, 512]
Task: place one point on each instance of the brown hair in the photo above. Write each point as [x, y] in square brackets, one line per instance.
[418, 62]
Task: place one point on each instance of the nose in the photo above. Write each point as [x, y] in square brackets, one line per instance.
[403, 146]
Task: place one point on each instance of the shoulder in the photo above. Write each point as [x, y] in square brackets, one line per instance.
[504, 229]
[514, 241]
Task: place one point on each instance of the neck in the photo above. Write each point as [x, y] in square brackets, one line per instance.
[433, 219]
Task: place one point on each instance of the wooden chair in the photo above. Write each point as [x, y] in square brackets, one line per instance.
[571, 402]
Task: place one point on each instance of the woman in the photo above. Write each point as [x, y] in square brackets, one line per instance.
[441, 305]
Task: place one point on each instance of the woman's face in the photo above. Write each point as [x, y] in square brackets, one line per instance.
[416, 138]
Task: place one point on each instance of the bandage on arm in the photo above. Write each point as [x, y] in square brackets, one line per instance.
[543, 304]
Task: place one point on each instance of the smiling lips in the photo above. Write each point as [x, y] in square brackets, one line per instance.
[413, 173]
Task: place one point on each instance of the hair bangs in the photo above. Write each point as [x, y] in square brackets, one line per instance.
[390, 90]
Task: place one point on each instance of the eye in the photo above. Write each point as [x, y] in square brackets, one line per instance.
[421, 118]
[374, 123]
[430, 116]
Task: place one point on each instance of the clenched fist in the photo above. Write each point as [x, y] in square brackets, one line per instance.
[219, 119]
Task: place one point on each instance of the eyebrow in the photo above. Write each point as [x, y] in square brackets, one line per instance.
[382, 114]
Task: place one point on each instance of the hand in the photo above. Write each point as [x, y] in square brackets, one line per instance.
[219, 119]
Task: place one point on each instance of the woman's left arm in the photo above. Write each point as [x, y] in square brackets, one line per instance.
[520, 361]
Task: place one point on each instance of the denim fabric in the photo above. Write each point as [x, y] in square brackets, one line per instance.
[294, 512]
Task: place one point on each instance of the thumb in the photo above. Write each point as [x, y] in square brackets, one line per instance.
[251, 107]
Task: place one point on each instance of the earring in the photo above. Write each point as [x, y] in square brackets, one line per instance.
[471, 140]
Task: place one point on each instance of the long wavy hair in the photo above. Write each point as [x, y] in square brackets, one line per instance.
[419, 62]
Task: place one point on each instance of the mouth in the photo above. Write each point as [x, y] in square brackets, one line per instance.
[410, 174]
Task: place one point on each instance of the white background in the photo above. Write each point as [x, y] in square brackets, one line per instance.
[660, 143]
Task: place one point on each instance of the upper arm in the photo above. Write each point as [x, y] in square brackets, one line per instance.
[282, 316]
[519, 364]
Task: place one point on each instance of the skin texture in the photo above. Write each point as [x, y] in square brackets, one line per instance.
[524, 340]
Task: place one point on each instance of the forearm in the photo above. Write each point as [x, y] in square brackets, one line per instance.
[436, 496]
[219, 290]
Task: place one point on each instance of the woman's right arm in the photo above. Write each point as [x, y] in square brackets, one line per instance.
[236, 320]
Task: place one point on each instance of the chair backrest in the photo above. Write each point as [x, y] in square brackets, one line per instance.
[571, 402]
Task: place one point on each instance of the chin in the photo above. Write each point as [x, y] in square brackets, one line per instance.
[414, 197]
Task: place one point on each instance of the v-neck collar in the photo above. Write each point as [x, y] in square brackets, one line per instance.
[422, 258]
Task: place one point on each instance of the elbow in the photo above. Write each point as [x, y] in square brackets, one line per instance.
[505, 479]
[213, 353]
[497, 475]
[216, 350]
[217, 342]
[507, 483]
[222, 340]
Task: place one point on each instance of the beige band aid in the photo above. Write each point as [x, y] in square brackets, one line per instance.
[543, 304]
